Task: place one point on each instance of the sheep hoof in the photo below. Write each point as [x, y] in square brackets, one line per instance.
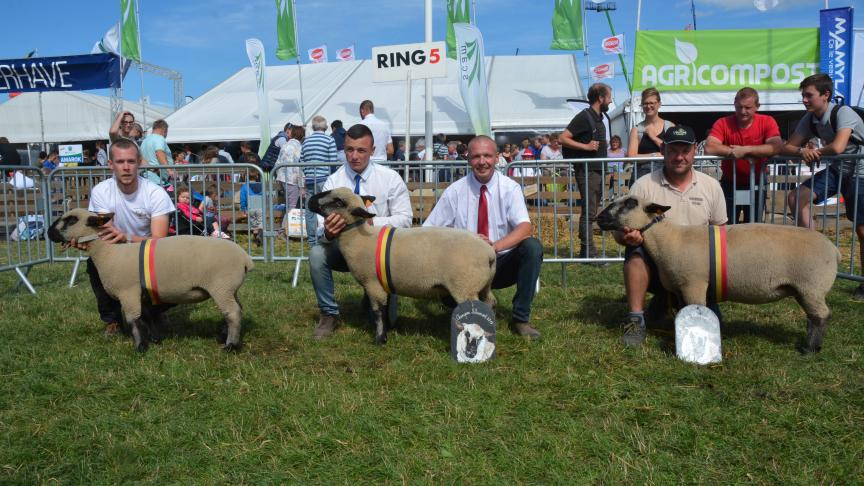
[222, 338]
[806, 350]
[381, 339]
[142, 347]
[231, 347]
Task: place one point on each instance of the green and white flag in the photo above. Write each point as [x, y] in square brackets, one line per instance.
[255, 51]
[287, 48]
[129, 16]
[458, 11]
[567, 26]
[472, 76]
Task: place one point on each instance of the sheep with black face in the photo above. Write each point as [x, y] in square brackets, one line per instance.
[178, 270]
[413, 262]
[765, 262]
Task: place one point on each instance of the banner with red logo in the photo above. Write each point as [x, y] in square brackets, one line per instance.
[345, 54]
[602, 71]
[318, 54]
[614, 44]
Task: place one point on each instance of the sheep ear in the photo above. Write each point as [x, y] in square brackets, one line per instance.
[362, 213]
[99, 219]
[656, 209]
[367, 200]
[459, 326]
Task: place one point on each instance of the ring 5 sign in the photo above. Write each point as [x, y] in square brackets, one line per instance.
[392, 63]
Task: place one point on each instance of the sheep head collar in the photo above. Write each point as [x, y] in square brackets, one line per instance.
[79, 224]
[343, 202]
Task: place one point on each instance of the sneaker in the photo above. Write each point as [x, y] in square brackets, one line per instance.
[111, 329]
[634, 330]
[525, 330]
[858, 294]
[326, 326]
[224, 236]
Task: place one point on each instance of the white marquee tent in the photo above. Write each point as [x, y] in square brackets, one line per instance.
[525, 93]
[68, 116]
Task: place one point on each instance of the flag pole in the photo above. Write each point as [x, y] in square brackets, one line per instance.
[120, 49]
[299, 69]
[140, 69]
[585, 47]
[428, 85]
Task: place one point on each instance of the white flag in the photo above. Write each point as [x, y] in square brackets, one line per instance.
[614, 44]
[318, 54]
[345, 54]
[602, 71]
[110, 44]
[472, 78]
[255, 51]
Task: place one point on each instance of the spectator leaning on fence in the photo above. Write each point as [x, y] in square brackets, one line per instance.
[491, 205]
[318, 149]
[140, 210]
[695, 199]
[646, 137]
[584, 138]
[392, 207]
[841, 131]
[747, 138]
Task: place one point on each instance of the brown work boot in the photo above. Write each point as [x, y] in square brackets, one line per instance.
[525, 330]
[111, 329]
[326, 326]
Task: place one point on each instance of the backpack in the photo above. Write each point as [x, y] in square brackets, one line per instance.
[832, 122]
[269, 159]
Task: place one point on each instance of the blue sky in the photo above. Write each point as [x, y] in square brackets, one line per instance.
[204, 40]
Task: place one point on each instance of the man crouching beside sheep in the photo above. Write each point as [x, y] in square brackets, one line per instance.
[391, 206]
[694, 198]
[492, 206]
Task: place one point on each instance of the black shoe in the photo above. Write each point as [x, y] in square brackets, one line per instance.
[858, 294]
[634, 330]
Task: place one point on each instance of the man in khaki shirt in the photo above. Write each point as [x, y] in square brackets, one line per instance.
[695, 199]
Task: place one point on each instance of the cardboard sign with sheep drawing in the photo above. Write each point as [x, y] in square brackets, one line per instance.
[472, 332]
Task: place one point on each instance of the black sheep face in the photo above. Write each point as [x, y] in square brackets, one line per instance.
[341, 201]
[76, 223]
[629, 212]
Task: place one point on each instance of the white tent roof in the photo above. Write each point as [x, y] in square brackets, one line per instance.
[525, 93]
[68, 116]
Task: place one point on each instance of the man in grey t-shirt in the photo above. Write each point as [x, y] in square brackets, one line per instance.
[846, 136]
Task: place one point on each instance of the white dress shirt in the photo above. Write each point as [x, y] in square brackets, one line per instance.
[392, 205]
[457, 207]
[380, 136]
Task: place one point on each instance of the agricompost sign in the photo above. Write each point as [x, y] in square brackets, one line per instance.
[725, 60]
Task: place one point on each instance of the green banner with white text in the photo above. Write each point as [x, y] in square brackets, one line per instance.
[725, 60]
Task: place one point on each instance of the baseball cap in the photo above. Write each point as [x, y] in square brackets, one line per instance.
[679, 134]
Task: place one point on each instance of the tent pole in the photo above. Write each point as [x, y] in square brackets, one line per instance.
[140, 70]
[41, 123]
[299, 69]
[428, 82]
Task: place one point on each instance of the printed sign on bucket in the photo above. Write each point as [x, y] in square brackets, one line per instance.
[710, 60]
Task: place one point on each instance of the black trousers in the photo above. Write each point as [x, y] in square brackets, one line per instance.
[520, 266]
[109, 308]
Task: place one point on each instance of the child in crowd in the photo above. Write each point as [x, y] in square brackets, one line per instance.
[195, 215]
[208, 207]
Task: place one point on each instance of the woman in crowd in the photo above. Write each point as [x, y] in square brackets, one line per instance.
[291, 177]
[645, 138]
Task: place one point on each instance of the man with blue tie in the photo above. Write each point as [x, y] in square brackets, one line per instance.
[392, 206]
[493, 206]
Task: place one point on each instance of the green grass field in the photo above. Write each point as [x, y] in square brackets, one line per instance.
[576, 407]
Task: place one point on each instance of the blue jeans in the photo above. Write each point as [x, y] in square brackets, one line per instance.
[521, 267]
[828, 182]
[311, 218]
[323, 259]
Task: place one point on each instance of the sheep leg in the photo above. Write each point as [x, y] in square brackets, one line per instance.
[817, 321]
[132, 312]
[488, 297]
[695, 294]
[230, 308]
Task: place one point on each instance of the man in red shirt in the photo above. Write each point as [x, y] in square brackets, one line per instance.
[748, 138]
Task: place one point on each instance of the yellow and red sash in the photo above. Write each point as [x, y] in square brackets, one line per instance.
[147, 271]
[382, 258]
[718, 262]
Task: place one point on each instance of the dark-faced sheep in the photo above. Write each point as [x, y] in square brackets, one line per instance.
[423, 262]
[765, 262]
[187, 269]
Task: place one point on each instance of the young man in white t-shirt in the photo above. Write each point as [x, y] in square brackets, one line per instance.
[141, 210]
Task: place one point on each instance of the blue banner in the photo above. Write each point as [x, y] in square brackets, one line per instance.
[835, 48]
[70, 73]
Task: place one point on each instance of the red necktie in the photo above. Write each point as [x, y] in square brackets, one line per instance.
[483, 213]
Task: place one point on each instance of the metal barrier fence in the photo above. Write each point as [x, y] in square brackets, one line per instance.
[270, 225]
[24, 202]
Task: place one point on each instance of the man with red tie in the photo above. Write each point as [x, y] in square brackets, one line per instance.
[492, 205]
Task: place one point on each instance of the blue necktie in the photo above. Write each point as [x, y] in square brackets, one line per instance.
[357, 184]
